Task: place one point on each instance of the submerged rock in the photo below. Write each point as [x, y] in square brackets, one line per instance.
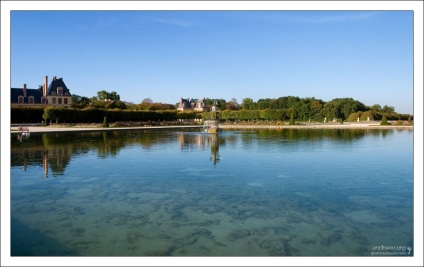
[327, 240]
[238, 234]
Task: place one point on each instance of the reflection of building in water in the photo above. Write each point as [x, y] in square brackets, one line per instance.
[45, 166]
[191, 141]
[57, 159]
[54, 159]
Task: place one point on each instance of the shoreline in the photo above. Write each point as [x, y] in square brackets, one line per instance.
[43, 129]
[318, 126]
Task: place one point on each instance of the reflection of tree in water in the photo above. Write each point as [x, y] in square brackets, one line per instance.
[214, 148]
[311, 134]
[54, 150]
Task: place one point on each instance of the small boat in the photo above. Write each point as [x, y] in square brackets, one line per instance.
[211, 126]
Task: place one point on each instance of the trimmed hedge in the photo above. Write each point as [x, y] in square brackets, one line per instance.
[26, 114]
[96, 115]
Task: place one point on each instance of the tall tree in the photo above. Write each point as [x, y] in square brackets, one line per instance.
[264, 103]
[147, 100]
[388, 109]
[233, 105]
[248, 103]
[114, 96]
[102, 95]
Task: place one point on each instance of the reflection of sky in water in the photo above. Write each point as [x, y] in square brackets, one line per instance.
[159, 193]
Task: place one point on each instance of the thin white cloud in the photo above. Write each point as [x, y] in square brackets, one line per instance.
[336, 17]
[174, 22]
[130, 21]
[309, 17]
[99, 24]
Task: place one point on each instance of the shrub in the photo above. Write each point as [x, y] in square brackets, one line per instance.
[105, 123]
[384, 121]
[291, 122]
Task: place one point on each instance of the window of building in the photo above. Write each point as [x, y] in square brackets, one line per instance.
[59, 91]
[31, 100]
[43, 100]
[59, 101]
[65, 101]
[54, 100]
[20, 99]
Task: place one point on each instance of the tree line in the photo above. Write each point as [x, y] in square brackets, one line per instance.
[302, 108]
[306, 109]
[275, 109]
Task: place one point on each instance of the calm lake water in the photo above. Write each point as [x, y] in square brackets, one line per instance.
[291, 192]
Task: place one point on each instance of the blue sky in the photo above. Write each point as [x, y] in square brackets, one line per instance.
[165, 55]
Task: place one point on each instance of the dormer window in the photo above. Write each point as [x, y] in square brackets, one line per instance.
[59, 91]
[20, 99]
[31, 100]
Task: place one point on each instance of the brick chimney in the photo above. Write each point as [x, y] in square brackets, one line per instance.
[45, 85]
[25, 90]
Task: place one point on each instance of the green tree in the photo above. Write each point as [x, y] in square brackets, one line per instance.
[376, 108]
[147, 100]
[102, 95]
[341, 108]
[264, 103]
[80, 101]
[388, 109]
[105, 95]
[247, 103]
[233, 104]
[116, 104]
[114, 96]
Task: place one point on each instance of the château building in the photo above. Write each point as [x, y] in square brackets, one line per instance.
[56, 94]
[190, 104]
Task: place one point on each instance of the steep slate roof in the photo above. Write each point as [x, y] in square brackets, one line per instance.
[36, 93]
[57, 82]
[185, 103]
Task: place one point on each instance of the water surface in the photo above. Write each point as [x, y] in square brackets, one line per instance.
[290, 192]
